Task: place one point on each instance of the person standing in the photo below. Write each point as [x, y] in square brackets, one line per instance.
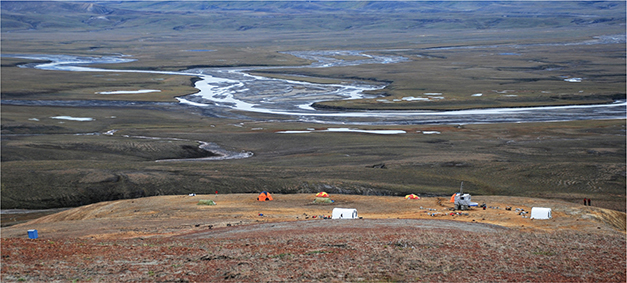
[584, 201]
[588, 202]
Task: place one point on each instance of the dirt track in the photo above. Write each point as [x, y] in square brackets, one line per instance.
[298, 227]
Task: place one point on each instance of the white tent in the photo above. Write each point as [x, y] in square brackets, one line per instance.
[540, 213]
[344, 213]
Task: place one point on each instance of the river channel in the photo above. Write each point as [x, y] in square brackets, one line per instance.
[227, 89]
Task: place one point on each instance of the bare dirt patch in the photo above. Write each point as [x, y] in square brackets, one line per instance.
[164, 216]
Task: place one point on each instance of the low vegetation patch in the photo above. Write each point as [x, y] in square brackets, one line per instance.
[415, 255]
[206, 202]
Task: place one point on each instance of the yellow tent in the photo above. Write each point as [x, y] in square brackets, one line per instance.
[412, 196]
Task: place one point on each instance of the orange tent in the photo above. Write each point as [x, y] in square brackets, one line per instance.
[264, 196]
[322, 195]
[453, 197]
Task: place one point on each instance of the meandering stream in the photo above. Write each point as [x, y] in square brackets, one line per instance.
[236, 89]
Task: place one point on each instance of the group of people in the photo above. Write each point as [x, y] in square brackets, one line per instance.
[586, 200]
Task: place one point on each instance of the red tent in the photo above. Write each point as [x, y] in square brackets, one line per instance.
[322, 195]
[412, 196]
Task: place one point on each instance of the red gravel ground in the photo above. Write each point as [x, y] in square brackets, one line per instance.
[330, 254]
[391, 249]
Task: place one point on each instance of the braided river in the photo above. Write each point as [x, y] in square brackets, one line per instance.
[225, 90]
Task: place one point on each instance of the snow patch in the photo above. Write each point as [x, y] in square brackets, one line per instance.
[110, 132]
[573, 80]
[129, 91]
[429, 132]
[80, 119]
[188, 102]
[293, 132]
[412, 98]
[346, 130]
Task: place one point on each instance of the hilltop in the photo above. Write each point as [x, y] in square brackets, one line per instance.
[172, 238]
[167, 216]
[134, 221]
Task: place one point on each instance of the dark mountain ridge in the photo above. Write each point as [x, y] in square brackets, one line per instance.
[304, 15]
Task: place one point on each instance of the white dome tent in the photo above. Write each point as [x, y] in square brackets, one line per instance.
[344, 213]
[540, 213]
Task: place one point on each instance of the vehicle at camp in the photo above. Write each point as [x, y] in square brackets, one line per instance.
[461, 200]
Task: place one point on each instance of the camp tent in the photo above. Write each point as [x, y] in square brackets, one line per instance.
[540, 213]
[344, 213]
[264, 196]
[322, 195]
[323, 200]
[206, 202]
[412, 196]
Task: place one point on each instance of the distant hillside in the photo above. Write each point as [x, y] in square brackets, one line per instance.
[304, 15]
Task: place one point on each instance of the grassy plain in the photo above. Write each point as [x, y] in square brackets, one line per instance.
[518, 71]
[44, 164]
[569, 160]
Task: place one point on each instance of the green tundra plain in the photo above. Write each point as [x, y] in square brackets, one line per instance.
[523, 50]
